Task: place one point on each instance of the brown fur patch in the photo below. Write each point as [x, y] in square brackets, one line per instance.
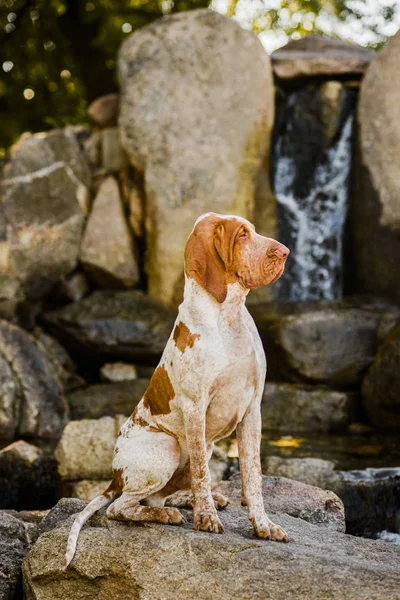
[138, 420]
[159, 393]
[116, 487]
[183, 338]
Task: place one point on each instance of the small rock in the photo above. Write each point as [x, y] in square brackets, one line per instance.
[21, 452]
[104, 110]
[294, 408]
[101, 400]
[85, 450]
[316, 56]
[107, 251]
[114, 324]
[312, 471]
[113, 156]
[118, 371]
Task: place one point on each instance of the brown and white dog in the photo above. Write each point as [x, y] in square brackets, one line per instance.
[208, 383]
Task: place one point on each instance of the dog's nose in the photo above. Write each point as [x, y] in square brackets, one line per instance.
[281, 251]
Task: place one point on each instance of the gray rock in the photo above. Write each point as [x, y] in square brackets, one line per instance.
[107, 251]
[113, 156]
[43, 197]
[380, 388]
[198, 132]
[375, 207]
[118, 560]
[31, 397]
[101, 400]
[86, 447]
[120, 324]
[332, 342]
[281, 495]
[316, 56]
[118, 371]
[288, 407]
[28, 477]
[312, 471]
[13, 547]
[104, 110]
[86, 489]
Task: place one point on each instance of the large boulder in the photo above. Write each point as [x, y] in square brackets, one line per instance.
[107, 400]
[32, 402]
[116, 324]
[107, 251]
[331, 343]
[43, 201]
[317, 56]
[380, 388]
[118, 560]
[375, 206]
[198, 132]
[14, 544]
[288, 407]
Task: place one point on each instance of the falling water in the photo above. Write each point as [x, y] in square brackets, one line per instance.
[312, 208]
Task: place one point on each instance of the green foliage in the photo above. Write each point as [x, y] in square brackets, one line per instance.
[58, 55]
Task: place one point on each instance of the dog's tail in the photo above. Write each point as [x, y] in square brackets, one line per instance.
[81, 519]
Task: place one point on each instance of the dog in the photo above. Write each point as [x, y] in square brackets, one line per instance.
[208, 383]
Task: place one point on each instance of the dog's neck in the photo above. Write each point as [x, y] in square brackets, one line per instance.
[199, 303]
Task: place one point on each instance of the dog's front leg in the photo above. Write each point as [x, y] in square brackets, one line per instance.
[205, 515]
[249, 440]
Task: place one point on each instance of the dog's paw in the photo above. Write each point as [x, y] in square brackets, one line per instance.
[220, 501]
[174, 516]
[207, 521]
[266, 529]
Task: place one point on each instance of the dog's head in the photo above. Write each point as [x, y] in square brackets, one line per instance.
[224, 249]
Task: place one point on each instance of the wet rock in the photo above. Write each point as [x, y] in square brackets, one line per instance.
[191, 93]
[312, 471]
[297, 499]
[104, 110]
[118, 371]
[380, 388]
[331, 343]
[32, 403]
[375, 202]
[44, 192]
[115, 324]
[101, 400]
[85, 450]
[28, 477]
[288, 407]
[14, 545]
[107, 251]
[168, 562]
[316, 56]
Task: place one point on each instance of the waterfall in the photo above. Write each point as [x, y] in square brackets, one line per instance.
[311, 177]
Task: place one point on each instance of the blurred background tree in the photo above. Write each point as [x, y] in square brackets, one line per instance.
[58, 55]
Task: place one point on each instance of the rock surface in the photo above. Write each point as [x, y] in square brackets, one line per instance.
[113, 156]
[380, 388]
[116, 324]
[331, 343]
[316, 56]
[215, 128]
[85, 450]
[375, 206]
[104, 110]
[118, 371]
[43, 198]
[288, 407]
[104, 399]
[28, 477]
[107, 251]
[312, 471]
[161, 561]
[13, 547]
[32, 403]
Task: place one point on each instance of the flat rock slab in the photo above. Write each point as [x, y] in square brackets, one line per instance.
[126, 561]
[316, 56]
[117, 324]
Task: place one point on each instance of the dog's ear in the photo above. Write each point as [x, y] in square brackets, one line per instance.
[202, 260]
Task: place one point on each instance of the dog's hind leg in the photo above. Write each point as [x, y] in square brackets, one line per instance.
[127, 508]
[184, 499]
